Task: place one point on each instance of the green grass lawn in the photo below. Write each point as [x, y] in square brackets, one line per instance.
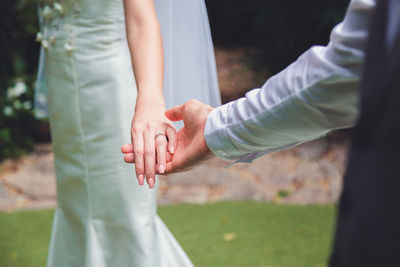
[259, 234]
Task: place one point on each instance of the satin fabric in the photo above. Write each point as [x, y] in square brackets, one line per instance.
[103, 217]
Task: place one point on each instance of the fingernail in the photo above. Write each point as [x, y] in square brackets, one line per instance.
[161, 168]
[151, 182]
[141, 177]
[172, 149]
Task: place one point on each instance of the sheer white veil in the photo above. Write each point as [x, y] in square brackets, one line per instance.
[40, 97]
[190, 71]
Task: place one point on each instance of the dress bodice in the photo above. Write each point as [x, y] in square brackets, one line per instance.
[72, 23]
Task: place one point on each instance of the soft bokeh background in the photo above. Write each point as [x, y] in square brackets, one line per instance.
[253, 40]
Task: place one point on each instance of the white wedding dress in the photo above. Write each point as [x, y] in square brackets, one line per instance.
[103, 217]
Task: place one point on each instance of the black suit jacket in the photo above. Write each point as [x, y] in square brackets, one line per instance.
[368, 226]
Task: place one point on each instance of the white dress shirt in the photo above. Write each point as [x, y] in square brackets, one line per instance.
[316, 94]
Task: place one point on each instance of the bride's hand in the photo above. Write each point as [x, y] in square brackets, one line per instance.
[149, 134]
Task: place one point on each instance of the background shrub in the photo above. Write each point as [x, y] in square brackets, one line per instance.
[284, 29]
[18, 56]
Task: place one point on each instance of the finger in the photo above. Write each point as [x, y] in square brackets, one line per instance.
[161, 152]
[176, 166]
[169, 157]
[149, 157]
[169, 167]
[138, 154]
[175, 113]
[129, 158]
[172, 139]
[173, 165]
[127, 148]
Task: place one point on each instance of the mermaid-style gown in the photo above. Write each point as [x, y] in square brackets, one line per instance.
[103, 217]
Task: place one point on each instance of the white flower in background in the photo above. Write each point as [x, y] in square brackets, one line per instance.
[8, 111]
[18, 89]
[27, 105]
[17, 104]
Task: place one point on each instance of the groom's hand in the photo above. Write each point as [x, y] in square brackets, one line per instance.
[191, 147]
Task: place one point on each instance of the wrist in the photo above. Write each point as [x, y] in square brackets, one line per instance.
[153, 101]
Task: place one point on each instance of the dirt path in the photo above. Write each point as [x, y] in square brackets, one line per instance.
[308, 174]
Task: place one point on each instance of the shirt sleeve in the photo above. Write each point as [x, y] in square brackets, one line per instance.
[313, 96]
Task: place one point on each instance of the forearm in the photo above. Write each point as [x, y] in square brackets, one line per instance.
[314, 95]
[145, 44]
[150, 128]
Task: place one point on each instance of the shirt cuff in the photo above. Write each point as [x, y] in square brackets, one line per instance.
[216, 134]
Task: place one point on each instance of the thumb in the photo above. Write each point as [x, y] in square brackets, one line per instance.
[175, 113]
[168, 167]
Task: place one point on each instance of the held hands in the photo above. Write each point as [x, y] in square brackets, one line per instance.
[189, 143]
[149, 149]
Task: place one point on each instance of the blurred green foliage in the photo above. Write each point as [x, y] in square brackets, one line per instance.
[19, 51]
[284, 29]
[18, 57]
